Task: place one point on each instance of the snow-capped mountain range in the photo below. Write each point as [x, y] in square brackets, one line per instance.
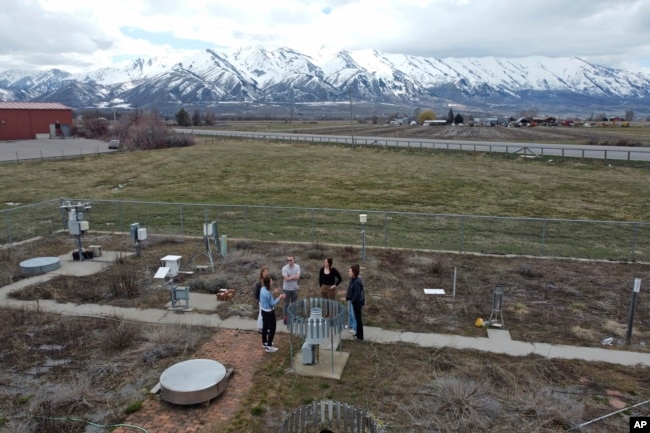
[279, 76]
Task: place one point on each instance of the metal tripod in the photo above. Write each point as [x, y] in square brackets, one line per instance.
[210, 233]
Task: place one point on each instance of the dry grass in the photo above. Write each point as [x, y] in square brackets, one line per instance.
[406, 388]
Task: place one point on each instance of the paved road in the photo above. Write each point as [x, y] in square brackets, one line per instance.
[45, 148]
[54, 148]
[527, 150]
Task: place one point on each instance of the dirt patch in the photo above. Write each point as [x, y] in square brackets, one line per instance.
[98, 368]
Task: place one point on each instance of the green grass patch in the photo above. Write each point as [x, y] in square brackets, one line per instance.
[303, 192]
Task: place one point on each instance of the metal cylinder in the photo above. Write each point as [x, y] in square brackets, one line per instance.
[497, 298]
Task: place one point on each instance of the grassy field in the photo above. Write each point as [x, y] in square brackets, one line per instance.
[330, 176]
[411, 389]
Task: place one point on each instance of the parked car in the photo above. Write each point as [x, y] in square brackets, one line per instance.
[114, 144]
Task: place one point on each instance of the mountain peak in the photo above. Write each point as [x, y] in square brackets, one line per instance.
[276, 75]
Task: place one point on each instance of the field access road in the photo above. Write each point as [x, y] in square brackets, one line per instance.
[524, 150]
[46, 148]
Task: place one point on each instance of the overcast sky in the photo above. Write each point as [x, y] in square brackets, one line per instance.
[81, 35]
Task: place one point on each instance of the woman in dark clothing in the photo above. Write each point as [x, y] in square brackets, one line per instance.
[328, 279]
[356, 297]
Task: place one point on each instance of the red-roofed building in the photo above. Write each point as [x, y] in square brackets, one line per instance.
[26, 120]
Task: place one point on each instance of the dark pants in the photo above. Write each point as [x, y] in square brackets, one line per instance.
[289, 297]
[268, 326]
[357, 315]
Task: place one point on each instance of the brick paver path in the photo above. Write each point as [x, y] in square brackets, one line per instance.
[240, 350]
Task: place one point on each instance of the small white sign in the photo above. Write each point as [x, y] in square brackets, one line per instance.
[434, 291]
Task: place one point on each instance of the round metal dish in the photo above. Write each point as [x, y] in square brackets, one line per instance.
[39, 265]
[193, 381]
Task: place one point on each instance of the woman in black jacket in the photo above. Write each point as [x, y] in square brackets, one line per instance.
[328, 279]
[356, 297]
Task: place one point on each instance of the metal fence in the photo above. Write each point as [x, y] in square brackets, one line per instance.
[543, 237]
[321, 416]
[523, 150]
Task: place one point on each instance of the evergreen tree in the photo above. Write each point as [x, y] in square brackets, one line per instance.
[183, 117]
[450, 117]
[458, 119]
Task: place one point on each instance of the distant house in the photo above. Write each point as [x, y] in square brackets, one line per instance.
[544, 121]
[487, 121]
[437, 122]
[27, 120]
[402, 121]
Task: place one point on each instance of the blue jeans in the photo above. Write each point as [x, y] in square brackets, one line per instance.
[352, 323]
[290, 297]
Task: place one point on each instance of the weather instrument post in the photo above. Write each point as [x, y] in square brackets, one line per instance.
[635, 292]
[138, 234]
[76, 223]
[210, 233]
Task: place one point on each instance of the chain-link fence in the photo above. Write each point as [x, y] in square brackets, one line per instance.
[609, 240]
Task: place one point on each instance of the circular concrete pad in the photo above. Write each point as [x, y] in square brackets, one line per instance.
[194, 381]
[39, 265]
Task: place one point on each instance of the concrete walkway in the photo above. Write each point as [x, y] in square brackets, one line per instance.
[203, 307]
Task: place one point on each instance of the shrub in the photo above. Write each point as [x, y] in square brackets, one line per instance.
[123, 281]
[133, 407]
[529, 272]
[257, 410]
[121, 335]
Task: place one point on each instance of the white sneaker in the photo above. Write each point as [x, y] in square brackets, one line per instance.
[271, 349]
[346, 326]
[352, 331]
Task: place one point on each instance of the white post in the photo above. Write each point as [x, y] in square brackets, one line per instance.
[637, 289]
[454, 293]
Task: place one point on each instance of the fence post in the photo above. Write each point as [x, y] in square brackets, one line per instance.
[120, 216]
[8, 220]
[246, 223]
[543, 237]
[634, 240]
[461, 234]
[385, 229]
[180, 217]
[313, 235]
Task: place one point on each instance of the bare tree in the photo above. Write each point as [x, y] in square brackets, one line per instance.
[210, 117]
[142, 130]
[196, 118]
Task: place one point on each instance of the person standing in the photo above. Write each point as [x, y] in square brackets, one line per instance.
[290, 276]
[357, 298]
[269, 322]
[57, 130]
[328, 279]
[257, 288]
[352, 324]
